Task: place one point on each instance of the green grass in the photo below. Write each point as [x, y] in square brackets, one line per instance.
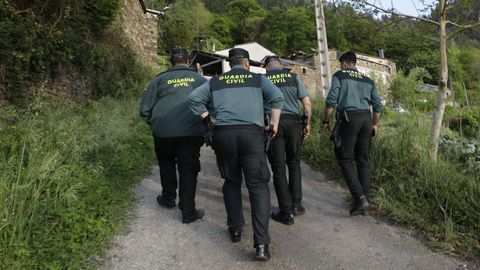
[440, 201]
[65, 179]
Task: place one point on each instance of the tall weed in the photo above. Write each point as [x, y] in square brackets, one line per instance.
[439, 200]
[65, 174]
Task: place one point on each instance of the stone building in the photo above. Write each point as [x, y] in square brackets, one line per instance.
[380, 69]
[139, 25]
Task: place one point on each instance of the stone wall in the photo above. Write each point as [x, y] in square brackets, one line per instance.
[377, 68]
[70, 85]
[310, 78]
[67, 86]
[141, 30]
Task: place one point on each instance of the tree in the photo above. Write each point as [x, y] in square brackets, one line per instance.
[221, 30]
[447, 30]
[182, 28]
[216, 6]
[288, 31]
[248, 16]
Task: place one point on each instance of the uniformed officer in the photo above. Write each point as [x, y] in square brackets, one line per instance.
[178, 135]
[238, 98]
[285, 147]
[352, 94]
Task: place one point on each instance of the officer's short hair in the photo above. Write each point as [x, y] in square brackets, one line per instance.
[237, 56]
[179, 56]
[236, 61]
[271, 58]
[348, 57]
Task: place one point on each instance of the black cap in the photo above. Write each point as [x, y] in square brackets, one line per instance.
[271, 58]
[180, 52]
[238, 53]
[348, 57]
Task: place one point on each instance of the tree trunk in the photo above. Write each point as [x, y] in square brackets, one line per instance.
[442, 85]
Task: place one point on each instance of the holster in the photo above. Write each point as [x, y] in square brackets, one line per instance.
[303, 123]
[209, 123]
[340, 118]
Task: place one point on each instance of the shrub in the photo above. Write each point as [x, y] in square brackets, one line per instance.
[39, 38]
[440, 200]
[65, 178]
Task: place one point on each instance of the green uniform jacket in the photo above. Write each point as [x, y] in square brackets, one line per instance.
[292, 89]
[238, 97]
[351, 90]
[164, 104]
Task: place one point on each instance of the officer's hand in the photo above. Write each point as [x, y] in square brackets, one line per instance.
[207, 121]
[374, 130]
[306, 132]
[272, 128]
[274, 131]
[326, 127]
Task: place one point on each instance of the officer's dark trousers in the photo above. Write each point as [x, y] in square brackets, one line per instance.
[241, 149]
[356, 138]
[184, 152]
[285, 151]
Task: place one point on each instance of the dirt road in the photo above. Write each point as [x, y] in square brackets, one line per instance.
[324, 238]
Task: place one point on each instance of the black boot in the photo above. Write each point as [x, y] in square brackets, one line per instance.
[165, 202]
[235, 234]
[298, 210]
[262, 253]
[283, 217]
[198, 214]
[360, 207]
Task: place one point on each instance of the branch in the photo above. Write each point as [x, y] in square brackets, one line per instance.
[390, 23]
[22, 11]
[454, 24]
[448, 7]
[56, 22]
[462, 28]
[399, 14]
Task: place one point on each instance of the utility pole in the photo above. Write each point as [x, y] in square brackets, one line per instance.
[324, 64]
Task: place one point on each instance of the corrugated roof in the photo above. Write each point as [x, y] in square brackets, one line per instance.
[257, 52]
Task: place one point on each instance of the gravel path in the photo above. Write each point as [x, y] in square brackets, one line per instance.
[324, 238]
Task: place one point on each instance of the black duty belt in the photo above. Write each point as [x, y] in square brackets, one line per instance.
[355, 112]
[247, 126]
[290, 116]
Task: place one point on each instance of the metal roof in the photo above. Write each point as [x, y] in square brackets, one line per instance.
[257, 52]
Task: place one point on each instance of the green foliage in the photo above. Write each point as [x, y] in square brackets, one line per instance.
[39, 38]
[216, 6]
[439, 200]
[65, 178]
[464, 66]
[184, 29]
[404, 88]
[464, 120]
[349, 30]
[460, 149]
[248, 16]
[113, 68]
[317, 150]
[289, 30]
[221, 30]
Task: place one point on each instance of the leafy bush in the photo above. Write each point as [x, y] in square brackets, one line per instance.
[65, 178]
[439, 200]
[39, 38]
[112, 67]
[404, 88]
[464, 120]
[463, 150]
[182, 28]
